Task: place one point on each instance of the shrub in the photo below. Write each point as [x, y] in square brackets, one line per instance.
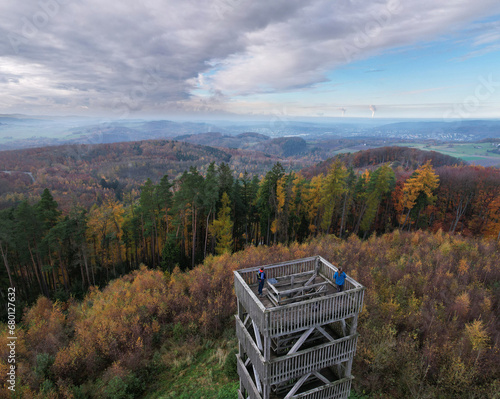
[230, 364]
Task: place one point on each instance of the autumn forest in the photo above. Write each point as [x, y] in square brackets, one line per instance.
[420, 230]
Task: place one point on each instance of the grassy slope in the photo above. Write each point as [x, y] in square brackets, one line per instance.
[197, 370]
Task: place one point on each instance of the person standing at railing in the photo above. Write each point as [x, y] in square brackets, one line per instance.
[261, 276]
[340, 279]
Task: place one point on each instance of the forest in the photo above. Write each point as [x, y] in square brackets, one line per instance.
[57, 252]
[429, 328]
[419, 230]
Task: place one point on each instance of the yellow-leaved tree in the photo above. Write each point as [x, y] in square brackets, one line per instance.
[417, 193]
[222, 227]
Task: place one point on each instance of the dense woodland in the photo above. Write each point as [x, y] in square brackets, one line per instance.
[429, 328]
[418, 230]
[58, 252]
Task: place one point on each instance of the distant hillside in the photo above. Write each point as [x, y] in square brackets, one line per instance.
[217, 139]
[283, 146]
[78, 171]
[85, 171]
[404, 156]
[280, 147]
[462, 130]
[258, 136]
[103, 135]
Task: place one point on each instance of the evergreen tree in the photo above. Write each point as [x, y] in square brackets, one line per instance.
[267, 201]
[47, 210]
[332, 192]
[210, 198]
[380, 185]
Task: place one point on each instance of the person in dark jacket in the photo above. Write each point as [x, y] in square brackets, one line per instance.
[340, 279]
[261, 276]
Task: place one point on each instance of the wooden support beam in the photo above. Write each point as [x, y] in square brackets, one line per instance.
[348, 368]
[311, 279]
[301, 340]
[267, 348]
[299, 289]
[323, 331]
[321, 377]
[354, 324]
[257, 336]
[246, 320]
[241, 309]
[342, 321]
[257, 379]
[297, 386]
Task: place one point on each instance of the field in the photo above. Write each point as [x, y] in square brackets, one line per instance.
[474, 153]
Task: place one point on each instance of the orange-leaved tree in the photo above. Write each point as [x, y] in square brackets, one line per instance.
[417, 193]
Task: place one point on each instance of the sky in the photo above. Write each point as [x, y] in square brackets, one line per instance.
[251, 58]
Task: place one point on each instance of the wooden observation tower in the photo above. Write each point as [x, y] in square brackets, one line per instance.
[297, 340]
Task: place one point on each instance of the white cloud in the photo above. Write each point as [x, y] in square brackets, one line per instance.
[128, 56]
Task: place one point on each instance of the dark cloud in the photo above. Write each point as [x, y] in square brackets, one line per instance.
[154, 55]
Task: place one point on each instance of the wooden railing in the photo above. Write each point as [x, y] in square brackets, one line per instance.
[290, 366]
[252, 304]
[302, 315]
[251, 350]
[328, 271]
[336, 390]
[284, 368]
[281, 269]
[247, 381]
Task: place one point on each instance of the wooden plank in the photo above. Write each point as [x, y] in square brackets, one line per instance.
[321, 377]
[312, 359]
[257, 379]
[323, 331]
[302, 297]
[294, 317]
[303, 288]
[247, 382]
[251, 350]
[311, 279]
[300, 341]
[335, 390]
[272, 270]
[258, 340]
[342, 322]
[297, 386]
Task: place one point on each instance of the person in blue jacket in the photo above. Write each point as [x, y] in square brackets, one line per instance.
[340, 279]
[261, 276]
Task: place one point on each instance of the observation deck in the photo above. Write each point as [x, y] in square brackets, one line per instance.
[299, 338]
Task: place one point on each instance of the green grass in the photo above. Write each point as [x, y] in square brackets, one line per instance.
[195, 370]
[198, 370]
[470, 152]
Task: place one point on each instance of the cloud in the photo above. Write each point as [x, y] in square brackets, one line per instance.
[128, 56]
